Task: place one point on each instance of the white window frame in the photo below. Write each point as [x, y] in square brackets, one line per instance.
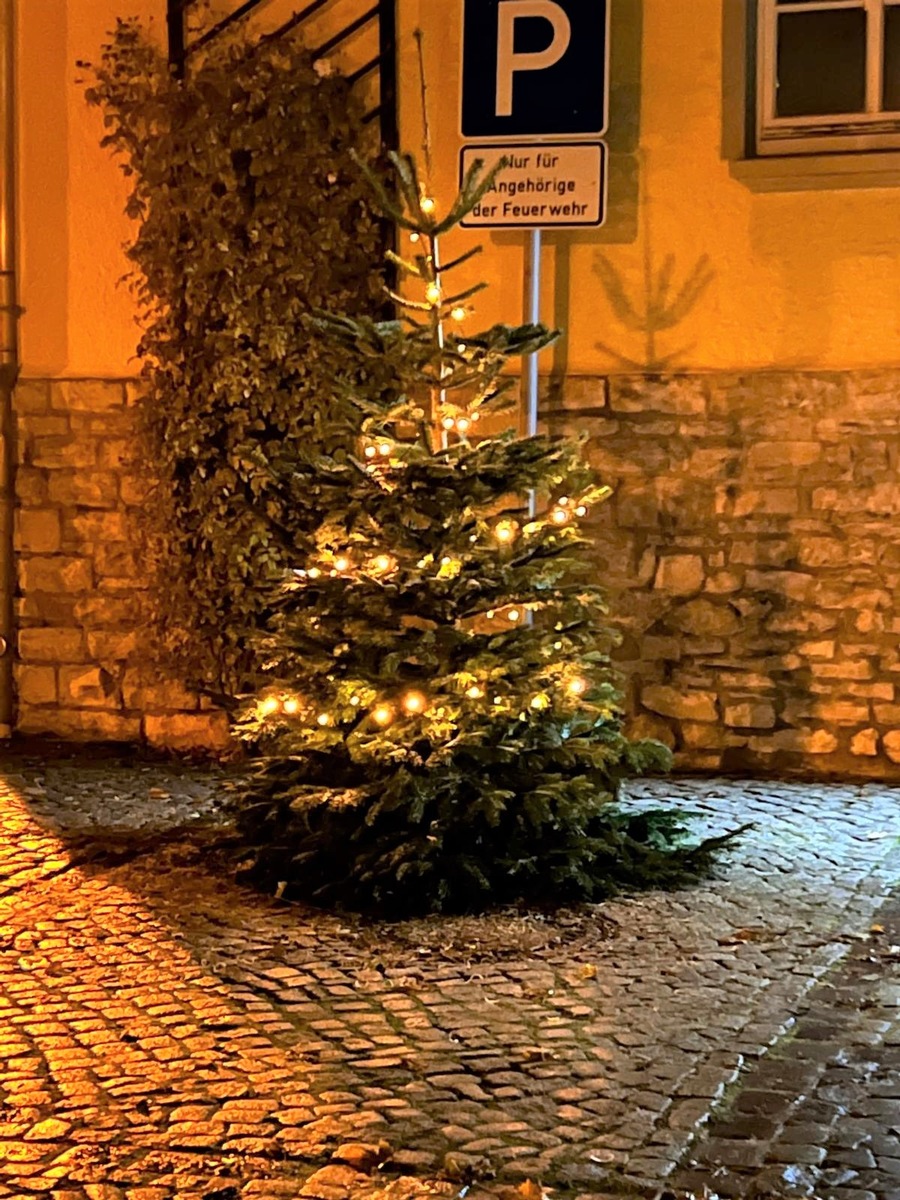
[872, 130]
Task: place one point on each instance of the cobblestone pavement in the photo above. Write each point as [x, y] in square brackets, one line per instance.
[164, 1034]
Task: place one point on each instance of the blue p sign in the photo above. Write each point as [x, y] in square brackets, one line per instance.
[534, 68]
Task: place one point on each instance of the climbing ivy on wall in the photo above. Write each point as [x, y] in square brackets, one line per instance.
[250, 213]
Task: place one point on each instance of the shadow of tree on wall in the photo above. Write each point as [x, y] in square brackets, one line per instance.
[661, 307]
[659, 304]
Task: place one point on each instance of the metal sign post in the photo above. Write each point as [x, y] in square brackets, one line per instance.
[530, 366]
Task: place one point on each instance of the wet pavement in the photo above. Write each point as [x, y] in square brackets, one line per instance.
[165, 1033]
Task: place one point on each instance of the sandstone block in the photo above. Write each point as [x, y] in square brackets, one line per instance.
[45, 608]
[795, 585]
[112, 645]
[31, 485]
[865, 743]
[87, 687]
[686, 706]
[83, 725]
[773, 456]
[99, 489]
[35, 685]
[704, 618]
[842, 712]
[56, 573]
[116, 453]
[51, 645]
[134, 489]
[869, 622]
[32, 396]
[680, 574]
[684, 395]
[750, 714]
[842, 670]
[723, 583]
[65, 450]
[150, 693]
[38, 425]
[892, 745]
[38, 530]
[776, 501]
[887, 714]
[823, 552]
[823, 649]
[646, 726]
[188, 731]
[798, 741]
[98, 525]
[704, 737]
[98, 610]
[87, 395]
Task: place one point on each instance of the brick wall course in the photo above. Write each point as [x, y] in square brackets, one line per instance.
[82, 670]
[752, 552]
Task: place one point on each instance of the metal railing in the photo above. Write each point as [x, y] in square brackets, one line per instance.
[379, 13]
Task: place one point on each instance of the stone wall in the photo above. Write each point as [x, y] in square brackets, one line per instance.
[752, 549]
[81, 670]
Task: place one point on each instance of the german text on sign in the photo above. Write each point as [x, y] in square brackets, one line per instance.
[558, 185]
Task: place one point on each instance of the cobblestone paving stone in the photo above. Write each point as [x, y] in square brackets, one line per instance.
[163, 1033]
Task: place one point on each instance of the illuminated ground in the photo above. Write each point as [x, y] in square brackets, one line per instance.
[165, 1034]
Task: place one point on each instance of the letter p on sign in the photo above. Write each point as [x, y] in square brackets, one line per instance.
[534, 68]
[509, 62]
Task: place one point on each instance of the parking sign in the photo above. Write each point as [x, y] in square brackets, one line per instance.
[535, 68]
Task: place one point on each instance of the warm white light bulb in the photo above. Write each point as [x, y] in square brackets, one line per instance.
[463, 424]
[415, 702]
[559, 516]
[540, 701]
[314, 572]
[371, 451]
[433, 294]
[577, 686]
[563, 500]
[384, 448]
[513, 614]
[383, 714]
[292, 706]
[505, 531]
[475, 692]
[581, 511]
[448, 422]
[342, 563]
[323, 719]
[427, 204]
[382, 562]
[458, 313]
[413, 237]
[461, 347]
[354, 700]
[490, 614]
[270, 705]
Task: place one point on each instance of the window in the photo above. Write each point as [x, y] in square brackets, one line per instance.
[828, 76]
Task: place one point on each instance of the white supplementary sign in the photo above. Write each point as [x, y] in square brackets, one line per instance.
[553, 185]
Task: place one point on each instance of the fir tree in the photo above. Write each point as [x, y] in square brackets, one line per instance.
[441, 724]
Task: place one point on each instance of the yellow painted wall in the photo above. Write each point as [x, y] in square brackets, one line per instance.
[71, 197]
[801, 279]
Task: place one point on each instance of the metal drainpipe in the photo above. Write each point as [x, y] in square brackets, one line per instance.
[9, 359]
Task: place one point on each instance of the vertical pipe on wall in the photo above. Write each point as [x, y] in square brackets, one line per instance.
[9, 357]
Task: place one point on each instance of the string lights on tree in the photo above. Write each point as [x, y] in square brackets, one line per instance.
[440, 718]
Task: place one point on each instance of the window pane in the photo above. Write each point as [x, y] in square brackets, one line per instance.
[892, 58]
[821, 63]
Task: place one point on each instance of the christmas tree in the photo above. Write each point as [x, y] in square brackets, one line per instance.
[440, 721]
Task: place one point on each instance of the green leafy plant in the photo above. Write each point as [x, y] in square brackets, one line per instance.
[440, 718]
[250, 213]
